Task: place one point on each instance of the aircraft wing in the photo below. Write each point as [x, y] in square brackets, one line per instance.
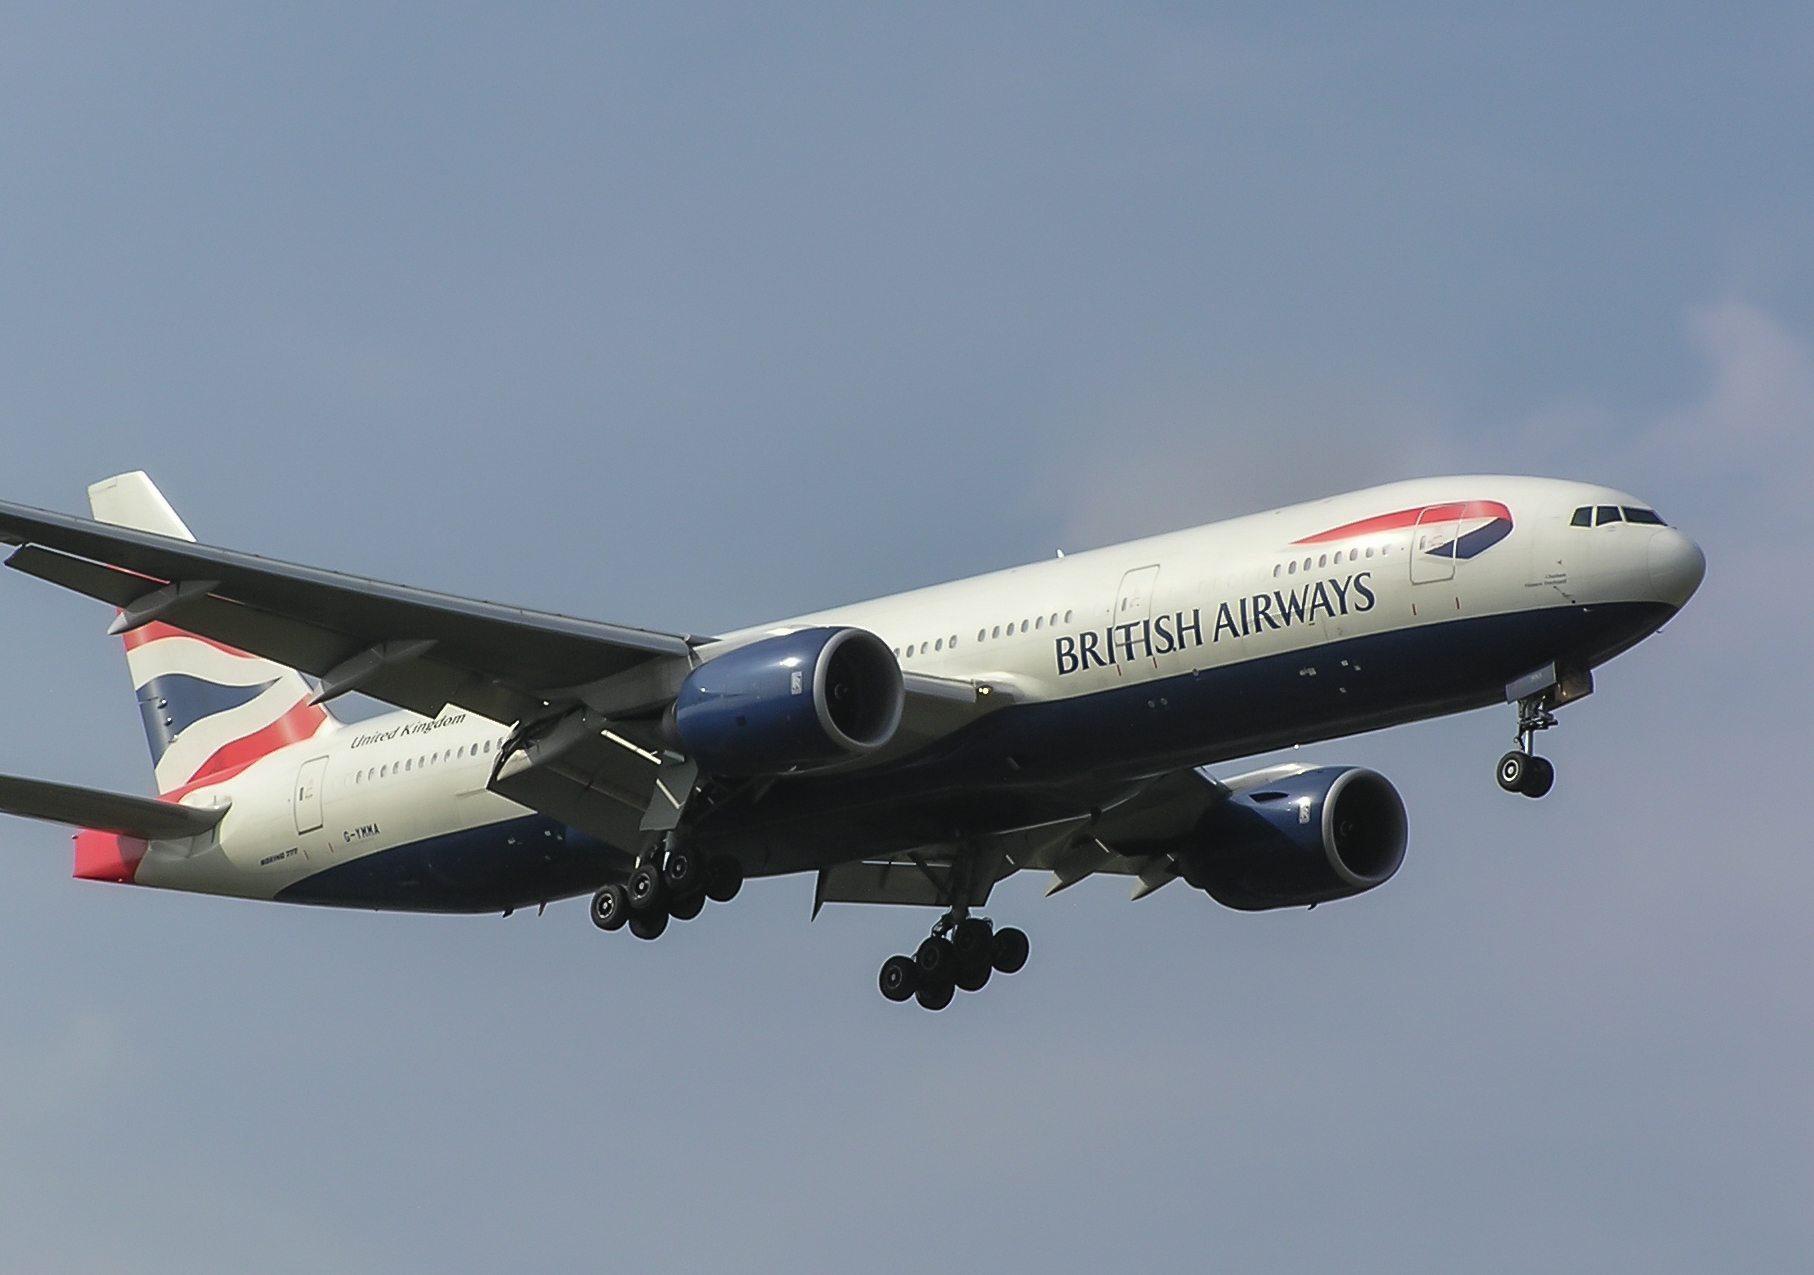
[104, 811]
[410, 647]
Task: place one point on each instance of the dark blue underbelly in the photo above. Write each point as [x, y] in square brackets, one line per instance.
[1026, 764]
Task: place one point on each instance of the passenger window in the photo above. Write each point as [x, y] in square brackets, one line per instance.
[939, 645]
[1292, 567]
[383, 771]
[996, 632]
[1584, 517]
[953, 641]
[1647, 517]
[981, 634]
[1023, 626]
[1323, 561]
[1369, 551]
[1606, 514]
[1040, 622]
[1275, 570]
[1067, 617]
[1306, 564]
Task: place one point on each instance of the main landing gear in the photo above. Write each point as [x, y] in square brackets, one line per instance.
[673, 882]
[962, 952]
[1521, 770]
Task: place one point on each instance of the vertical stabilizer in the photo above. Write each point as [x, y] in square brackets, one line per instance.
[208, 708]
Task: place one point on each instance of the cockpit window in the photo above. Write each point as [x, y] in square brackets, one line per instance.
[1606, 514]
[1584, 517]
[1649, 517]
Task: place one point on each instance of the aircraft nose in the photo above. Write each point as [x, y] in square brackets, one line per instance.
[1676, 566]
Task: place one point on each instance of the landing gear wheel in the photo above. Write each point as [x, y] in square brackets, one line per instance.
[644, 887]
[1010, 952]
[1526, 773]
[935, 996]
[1540, 777]
[648, 925]
[1514, 770]
[900, 978]
[937, 960]
[973, 978]
[610, 907]
[723, 878]
[683, 871]
[974, 941]
[686, 907]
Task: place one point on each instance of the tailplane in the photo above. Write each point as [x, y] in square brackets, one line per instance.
[208, 708]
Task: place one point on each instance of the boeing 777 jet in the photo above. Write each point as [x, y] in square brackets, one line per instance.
[1062, 717]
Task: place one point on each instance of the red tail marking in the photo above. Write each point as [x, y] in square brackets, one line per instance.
[107, 856]
[300, 723]
[135, 638]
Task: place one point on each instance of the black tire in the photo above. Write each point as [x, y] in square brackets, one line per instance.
[1540, 777]
[644, 887]
[1514, 770]
[686, 907]
[723, 878]
[1011, 949]
[900, 978]
[937, 960]
[973, 978]
[934, 996]
[682, 871]
[648, 925]
[974, 940]
[610, 907]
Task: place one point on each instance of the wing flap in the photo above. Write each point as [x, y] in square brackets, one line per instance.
[489, 658]
[114, 812]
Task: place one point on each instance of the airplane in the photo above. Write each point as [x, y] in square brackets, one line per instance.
[1061, 717]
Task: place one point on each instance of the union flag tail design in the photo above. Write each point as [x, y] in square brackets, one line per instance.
[209, 709]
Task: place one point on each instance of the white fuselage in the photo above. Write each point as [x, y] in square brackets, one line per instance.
[1210, 597]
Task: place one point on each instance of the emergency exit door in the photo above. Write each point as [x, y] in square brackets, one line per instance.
[308, 794]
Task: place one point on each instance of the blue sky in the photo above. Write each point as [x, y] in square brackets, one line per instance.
[695, 317]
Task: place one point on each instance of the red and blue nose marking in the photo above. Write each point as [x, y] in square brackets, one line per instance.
[1479, 525]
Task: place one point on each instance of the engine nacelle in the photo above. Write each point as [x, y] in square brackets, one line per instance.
[793, 702]
[1323, 834]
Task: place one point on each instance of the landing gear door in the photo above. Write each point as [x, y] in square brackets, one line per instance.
[1131, 622]
[1433, 542]
[308, 794]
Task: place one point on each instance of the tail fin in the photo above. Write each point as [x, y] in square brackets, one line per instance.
[208, 708]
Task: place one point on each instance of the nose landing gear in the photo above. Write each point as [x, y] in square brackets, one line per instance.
[962, 952]
[1521, 770]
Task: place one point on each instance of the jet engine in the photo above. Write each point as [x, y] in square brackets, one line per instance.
[797, 701]
[1318, 835]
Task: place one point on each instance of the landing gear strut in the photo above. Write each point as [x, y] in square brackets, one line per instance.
[1521, 770]
[672, 882]
[962, 952]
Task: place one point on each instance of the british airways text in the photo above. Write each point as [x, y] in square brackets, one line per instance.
[1163, 634]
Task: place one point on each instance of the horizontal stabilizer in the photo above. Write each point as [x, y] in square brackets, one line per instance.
[141, 817]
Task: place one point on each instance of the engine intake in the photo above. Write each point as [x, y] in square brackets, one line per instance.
[792, 702]
[1318, 835]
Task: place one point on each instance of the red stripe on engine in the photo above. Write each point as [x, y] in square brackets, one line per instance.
[300, 723]
[107, 856]
[1410, 518]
